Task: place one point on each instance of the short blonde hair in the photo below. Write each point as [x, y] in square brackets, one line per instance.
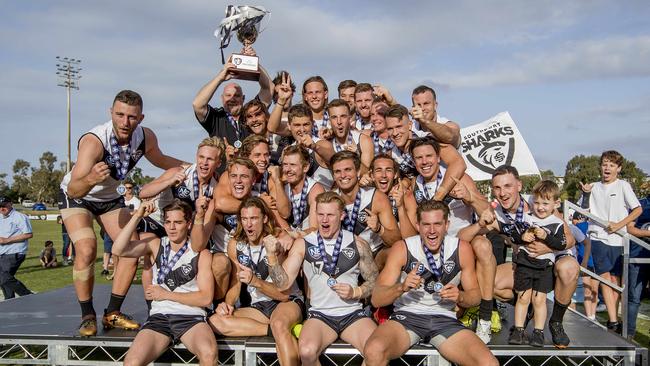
[329, 197]
[215, 142]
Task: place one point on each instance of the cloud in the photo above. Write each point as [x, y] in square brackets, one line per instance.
[615, 57]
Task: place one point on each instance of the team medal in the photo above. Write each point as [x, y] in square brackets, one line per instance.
[330, 268]
[121, 189]
[121, 166]
[237, 144]
[437, 286]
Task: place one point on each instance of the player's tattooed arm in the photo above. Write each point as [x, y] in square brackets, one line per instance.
[368, 268]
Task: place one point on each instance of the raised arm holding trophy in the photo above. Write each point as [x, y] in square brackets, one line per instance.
[245, 20]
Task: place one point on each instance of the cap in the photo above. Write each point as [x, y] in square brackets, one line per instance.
[4, 201]
[577, 216]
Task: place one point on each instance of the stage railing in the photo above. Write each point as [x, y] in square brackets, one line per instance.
[622, 289]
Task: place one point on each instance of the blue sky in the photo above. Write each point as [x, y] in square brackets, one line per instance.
[574, 75]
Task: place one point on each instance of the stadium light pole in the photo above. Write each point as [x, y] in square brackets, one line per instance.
[69, 73]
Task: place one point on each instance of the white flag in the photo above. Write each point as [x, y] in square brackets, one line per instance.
[497, 141]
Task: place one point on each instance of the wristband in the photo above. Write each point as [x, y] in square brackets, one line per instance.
[198, 222]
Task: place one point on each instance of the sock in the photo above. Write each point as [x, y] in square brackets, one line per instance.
[115, 303]
[87, 307]
[558, 311]
[485, 310]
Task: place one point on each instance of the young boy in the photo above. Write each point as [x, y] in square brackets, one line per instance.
[613, 201]
[48, 255]
[534, 275]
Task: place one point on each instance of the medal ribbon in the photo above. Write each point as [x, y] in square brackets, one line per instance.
[121, 166]
[425, 191]
[338, 147]
[299, 209]
[234, 124]
[166, 264]
[435, 269]
[330, 267]
[351, 217]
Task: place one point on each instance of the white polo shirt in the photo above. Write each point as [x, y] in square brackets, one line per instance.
[610, 202]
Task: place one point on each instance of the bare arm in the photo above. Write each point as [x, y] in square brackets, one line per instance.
[167, 179]
[470, 295]
[265, 94]
[283, 275]
[367, 152]
[89, 170]
[15, 238]
[388, 287]
[234, 288]
[455, 169]
[446, 133]
[123, 246]
[200, 103]
[389, 231]
[155, 156]
[633, 230]
[367, 267]
[276, 189]
[324, 151]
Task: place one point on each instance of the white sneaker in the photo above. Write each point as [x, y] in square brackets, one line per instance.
[483, 330]
[601, 308]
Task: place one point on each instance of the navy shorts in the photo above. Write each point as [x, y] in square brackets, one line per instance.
[607, 258]
[149, 225]
[267, 307]
[432, 329]
[173, 326]
[339, 323]
[95, 208]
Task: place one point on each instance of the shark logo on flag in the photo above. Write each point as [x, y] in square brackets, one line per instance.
[494, 154]
[492, 143]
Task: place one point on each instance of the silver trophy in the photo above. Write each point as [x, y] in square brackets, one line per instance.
[245, 21]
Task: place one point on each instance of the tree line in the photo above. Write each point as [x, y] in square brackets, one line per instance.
[41, 183]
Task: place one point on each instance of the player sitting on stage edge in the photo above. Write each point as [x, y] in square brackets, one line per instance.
[181, 286]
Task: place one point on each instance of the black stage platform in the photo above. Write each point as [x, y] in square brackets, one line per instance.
[42, 329]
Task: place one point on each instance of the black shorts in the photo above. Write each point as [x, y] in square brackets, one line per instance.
[268, 306]
[432, 329]
[339, 323]
[171, 325]
[532, 273]
[95, 208]
[149, 225]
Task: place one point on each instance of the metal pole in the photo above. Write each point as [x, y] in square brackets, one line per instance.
[624, 284]
[69, 162]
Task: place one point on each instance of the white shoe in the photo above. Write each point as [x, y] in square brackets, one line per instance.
[601, 308]
[483, 330]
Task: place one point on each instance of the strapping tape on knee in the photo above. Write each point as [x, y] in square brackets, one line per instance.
[82, 234]
[84, 274]
[69, 212]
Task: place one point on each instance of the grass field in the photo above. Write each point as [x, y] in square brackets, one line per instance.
[40, 279]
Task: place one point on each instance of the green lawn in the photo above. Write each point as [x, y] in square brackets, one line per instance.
[40, 279]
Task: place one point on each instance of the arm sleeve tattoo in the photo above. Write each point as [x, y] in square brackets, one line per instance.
[279, 276]
[368, 268]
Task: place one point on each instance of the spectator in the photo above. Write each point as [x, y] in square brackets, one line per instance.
[15, 231]
[131, 201]
[67, 251]
[106, 259]
[48, 255]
